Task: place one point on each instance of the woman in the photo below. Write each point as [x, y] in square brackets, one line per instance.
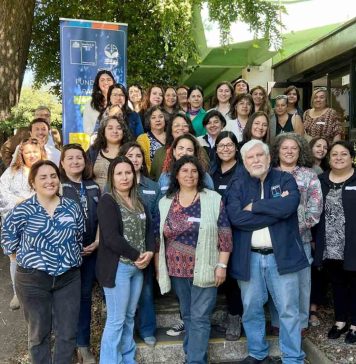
[241, 109]
[260, 100]
[213, 123]
[136, 97]
[185, 144]
[319, 148]
[321, 120]
[113, 133]
[193, 258]
[293, 95]
[117, 95]
[125, 249]
[257, 127]
[241, 86]
[182, 95]
[170, 100]
[319, 278]
[282, 121]
[226, 163]
[96, 106]
[223, 97]
[153, 97]
[335, 237]
[46, 232]
[149, 192]
[77, 184]
[292, 154]
[156, 120]
[179, 125]
[14, 188]
[195, 109]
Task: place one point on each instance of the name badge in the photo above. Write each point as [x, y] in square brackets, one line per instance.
[142, 216]
[350, 188]
[320, 123]
[276, 191]
[222, 187]
[148, 192]
[164, 188]
[194, 219]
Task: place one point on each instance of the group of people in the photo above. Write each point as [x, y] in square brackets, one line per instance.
[240, 197]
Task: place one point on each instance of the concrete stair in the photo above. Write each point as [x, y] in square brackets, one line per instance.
[169, 349]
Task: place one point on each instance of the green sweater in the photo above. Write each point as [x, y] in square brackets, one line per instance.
[207, 253]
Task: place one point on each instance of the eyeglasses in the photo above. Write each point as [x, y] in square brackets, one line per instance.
[227, 146]
[180, 126]
[117, 95]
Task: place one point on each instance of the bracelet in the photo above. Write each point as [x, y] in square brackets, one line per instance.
[221, 265]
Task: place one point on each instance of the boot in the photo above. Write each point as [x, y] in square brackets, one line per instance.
[233, 329]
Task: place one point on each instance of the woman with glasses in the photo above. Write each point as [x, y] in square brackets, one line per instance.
[283, 122]
[156, 120]
[321, 120]
[113, 132]
[77, 184]
[222, 172]
[14, 188]
[180, 124]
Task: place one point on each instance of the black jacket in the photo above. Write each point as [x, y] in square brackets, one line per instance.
[349, 204]
[112, 242]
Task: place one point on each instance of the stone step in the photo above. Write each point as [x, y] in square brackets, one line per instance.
[169, 349]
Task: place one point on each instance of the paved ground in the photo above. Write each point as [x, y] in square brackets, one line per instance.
[13, 333]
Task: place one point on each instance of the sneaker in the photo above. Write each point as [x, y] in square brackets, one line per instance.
[233, 330]
[85, 356]
[150, 340]
[14, 303]
[350, 337]
[335, 332]
[176, 329]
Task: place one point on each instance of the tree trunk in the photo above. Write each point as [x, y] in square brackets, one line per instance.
[16, 17]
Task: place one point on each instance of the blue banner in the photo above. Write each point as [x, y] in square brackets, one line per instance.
[86, 48]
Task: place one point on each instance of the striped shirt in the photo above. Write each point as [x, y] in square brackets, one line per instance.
[50, 244]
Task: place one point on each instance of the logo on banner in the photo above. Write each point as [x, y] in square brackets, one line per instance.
[112, 55]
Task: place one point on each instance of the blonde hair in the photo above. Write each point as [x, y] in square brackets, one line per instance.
[18, 161]
[316, 91]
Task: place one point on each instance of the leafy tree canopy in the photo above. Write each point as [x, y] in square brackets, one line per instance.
[160, 35]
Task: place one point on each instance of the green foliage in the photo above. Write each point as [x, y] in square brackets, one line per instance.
[22, 113]
[160, 32]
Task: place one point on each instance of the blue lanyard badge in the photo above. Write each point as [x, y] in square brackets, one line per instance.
[276, 191]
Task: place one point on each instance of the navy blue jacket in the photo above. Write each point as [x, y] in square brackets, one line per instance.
[70, 190]
[277, 213]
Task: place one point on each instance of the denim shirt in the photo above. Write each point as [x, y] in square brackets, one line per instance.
[50, 244]
[150, 194]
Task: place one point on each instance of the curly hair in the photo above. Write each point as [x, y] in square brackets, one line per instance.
[266, 107]
[305, 158]
[149, 113]
[101, 142]
[198, 152]
[174, 186]
[19, 161]
[236, 100]
[146, 99]
[97, 98]
[169, 135]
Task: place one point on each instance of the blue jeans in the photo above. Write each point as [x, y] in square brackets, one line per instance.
[196, 306]
[117, 343]
[50, 301]
[88, 277]
[284, 290]
[304, 277]
[146, 315]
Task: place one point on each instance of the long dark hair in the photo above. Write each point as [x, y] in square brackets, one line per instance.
[101, 142]
[149, 113]
[174, 186]
[136, 203]
[223, 135]
[97, 97]
[236, 100]
[124, 149]
[247, 133]
[228, 84]
[88, 169]
[169, 136]
[125, 108]
[324, 165]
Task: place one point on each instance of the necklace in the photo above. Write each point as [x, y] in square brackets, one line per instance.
[195, 196]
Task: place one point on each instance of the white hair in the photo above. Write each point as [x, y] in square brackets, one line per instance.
[251, 144]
